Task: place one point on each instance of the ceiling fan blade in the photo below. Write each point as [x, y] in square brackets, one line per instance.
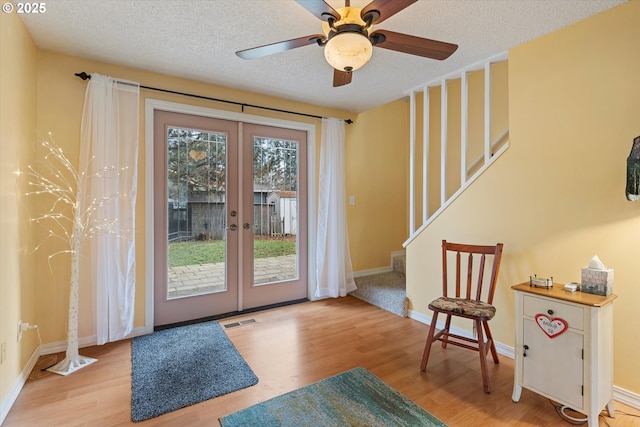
[413, 45]
[270, 49]
[341, 78]
[320, 9]
[386, 8]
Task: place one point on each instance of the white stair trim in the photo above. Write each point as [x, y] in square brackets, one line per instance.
[487, 156]
[457, 193]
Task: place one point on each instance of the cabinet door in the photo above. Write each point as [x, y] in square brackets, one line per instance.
[553, 366]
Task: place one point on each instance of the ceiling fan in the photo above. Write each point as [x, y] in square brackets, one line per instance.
[348, 38]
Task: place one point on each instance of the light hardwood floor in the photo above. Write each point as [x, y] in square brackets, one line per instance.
[291, 347]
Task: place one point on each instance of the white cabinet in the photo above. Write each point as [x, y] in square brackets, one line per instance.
[564, 348]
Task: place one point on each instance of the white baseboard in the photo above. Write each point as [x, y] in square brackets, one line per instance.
[621, 395]
[57, 347]
[505, 350]
[422, 318]
[379, 270]
[7, 403]
[44, 349]
[372, 271]
[626, 397]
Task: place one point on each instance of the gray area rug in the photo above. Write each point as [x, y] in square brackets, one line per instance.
[178, 367]
[384, 290]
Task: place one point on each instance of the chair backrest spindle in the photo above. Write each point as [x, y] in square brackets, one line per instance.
[483, 260]
[469, 271]
[445, 276]
[457, 274]
[472, 250]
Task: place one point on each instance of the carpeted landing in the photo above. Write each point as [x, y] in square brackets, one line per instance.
[385, 290]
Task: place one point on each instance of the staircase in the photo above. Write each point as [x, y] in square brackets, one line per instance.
[386, 290]
[453, 138]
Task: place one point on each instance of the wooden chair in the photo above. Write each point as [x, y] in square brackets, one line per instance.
[471, 302]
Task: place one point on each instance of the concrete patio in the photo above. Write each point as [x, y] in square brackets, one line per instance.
[205, 278]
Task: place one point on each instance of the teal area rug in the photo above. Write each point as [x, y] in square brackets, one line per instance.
[178, 367]
[352, 398]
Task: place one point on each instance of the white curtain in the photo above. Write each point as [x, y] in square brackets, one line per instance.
[334, 270]
[109, 155]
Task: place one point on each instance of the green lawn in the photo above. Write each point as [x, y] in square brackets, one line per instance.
[212, 251]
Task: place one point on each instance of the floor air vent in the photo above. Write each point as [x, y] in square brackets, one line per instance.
[240, 323]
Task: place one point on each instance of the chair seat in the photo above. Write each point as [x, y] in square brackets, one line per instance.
[466, 307]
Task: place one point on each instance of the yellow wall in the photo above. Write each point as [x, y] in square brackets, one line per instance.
[60, 101]
[17, 149]
[556, 197]
[376, 159]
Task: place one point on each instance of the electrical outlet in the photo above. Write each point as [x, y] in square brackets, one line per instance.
[19, 330]
[3, 352]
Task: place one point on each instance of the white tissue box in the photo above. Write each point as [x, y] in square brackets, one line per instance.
[599, 282]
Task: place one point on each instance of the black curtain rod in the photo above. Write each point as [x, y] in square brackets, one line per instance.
[85, 76]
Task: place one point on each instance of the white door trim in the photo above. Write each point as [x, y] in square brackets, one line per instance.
[153, 104]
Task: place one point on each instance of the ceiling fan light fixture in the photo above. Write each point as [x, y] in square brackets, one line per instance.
[348, 51]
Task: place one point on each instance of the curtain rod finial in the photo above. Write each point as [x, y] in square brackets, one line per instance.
[83, 75]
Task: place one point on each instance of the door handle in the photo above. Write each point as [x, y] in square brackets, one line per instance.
[232, 227]
[524, 353]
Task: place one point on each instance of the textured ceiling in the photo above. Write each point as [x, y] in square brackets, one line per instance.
[197, 40]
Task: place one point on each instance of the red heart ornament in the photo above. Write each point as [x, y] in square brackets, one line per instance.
[552, 327]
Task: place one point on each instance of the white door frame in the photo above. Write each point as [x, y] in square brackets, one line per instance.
[153, 104]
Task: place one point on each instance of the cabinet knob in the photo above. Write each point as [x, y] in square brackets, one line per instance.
[524, 353]
[550, 312]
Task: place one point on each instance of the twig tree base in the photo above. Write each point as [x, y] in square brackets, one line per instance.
[73, 361]
[68, 366]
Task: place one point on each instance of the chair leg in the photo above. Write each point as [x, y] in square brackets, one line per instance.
[483, 357]
[492, 346]
[427, 346]
[445, 334]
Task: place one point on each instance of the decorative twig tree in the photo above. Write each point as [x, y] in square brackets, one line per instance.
[72, 218]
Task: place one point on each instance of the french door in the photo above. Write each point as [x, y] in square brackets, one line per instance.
[230, 220]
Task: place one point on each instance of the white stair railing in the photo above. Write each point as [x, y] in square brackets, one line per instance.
[468, 173]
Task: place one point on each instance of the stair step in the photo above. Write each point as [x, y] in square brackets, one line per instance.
[384, 290]
[400, 263]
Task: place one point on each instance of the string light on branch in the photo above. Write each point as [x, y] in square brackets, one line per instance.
[65, 219]
[72, 217]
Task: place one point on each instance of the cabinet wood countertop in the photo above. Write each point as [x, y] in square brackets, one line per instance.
[557, 291]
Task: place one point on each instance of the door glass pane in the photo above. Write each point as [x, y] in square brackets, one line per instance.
[275, 210]
[196, 189]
